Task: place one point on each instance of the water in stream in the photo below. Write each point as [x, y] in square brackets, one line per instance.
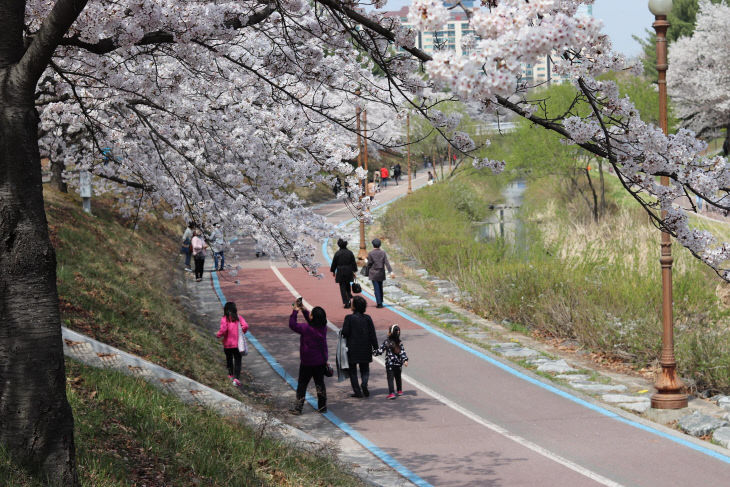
[504, 222]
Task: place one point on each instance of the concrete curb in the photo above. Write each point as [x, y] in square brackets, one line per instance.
[96, 354]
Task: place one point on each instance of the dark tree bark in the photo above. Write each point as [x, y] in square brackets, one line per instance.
[57, 168]
[726, 143]
[36, 422]
[593, 193]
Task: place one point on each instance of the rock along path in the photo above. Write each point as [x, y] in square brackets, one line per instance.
[468, 417]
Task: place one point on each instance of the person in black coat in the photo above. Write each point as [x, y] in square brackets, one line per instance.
[359, 332]
[344, 268]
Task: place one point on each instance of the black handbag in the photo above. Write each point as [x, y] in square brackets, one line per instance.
[356, 288]
[328, 371]
[365, 270]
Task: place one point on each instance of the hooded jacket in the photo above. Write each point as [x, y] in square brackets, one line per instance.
[312, 340]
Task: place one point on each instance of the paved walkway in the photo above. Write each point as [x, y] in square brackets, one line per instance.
[468, 416]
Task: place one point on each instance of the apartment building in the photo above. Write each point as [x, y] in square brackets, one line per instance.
[450, 37]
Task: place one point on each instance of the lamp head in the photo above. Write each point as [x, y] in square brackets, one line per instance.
[660, 7]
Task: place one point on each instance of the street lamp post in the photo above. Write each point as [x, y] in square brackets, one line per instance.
[668, 385]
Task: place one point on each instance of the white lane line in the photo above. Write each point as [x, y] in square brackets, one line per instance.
[473, 416]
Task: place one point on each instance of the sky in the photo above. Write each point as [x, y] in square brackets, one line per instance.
[621, 19]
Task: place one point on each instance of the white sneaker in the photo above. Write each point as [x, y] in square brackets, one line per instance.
[188, 269]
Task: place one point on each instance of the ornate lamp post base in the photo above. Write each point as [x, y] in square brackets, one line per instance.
[669, 401]
[669, 387]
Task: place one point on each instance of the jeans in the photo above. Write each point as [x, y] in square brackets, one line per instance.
[187, 257]
[345, 292]
[199, 263]
[378, 288]
[215, 259]
[393, 372]
[385, 182]
[233, 362]
[307, 372]
[364, 376]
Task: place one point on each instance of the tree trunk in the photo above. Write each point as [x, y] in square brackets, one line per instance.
[593, 191]
[726, 144]
[603, 187]
[57, 168]
[36, 423]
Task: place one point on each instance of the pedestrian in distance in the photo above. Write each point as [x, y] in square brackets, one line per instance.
[199, 246]
[231, 332]
[343, 268]
[377, 263]
[359, 333]
[430, 178]
[186, 248]
[218, 245]
[384, 175]
[397, 173]
[312, 354]
[395, 359]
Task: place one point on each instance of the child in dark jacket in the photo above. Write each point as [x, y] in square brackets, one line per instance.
[312, 354]
[395, 358]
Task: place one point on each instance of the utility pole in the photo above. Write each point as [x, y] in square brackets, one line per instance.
[408, 140]
[362, 253]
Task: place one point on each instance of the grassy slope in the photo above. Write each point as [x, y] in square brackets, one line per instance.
[115, 286]
[598, 283]
[129, 433]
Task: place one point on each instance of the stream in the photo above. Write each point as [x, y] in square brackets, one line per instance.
[504, 222]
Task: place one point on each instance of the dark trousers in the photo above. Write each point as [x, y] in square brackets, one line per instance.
[233, 362]
[307, 372]
[378, 288]
[345, 292]
[199, 263]
[187, 257]
[364, 376]
[216, 256]
[393, 372]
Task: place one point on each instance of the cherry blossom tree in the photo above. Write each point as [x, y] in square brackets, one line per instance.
[698, 74]
[217, 107]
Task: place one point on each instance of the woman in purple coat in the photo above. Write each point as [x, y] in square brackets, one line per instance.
[312, 354]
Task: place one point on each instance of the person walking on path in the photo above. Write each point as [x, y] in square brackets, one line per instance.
[185, 248]
[359, 332]
[395, 359]
[384, 176]
[396, 173]
[218, 245]
[312, 354]
[233, 326]
[199, 246]
[377, 263]
[344, 267]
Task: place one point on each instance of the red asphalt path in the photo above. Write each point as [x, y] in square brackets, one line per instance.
[541, 438]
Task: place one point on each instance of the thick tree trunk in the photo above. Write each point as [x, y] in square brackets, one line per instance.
[36, 423]
[726, 144]
[57, 168]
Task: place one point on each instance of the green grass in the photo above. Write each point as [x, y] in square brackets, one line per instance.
[116, 285]
[129, 433]
[598, 283]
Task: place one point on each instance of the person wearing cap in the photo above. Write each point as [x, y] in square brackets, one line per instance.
[377, 263]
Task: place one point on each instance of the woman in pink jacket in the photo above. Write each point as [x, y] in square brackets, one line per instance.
[229, 333]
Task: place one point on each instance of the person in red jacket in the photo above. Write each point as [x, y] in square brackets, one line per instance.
[231, 323]
[384, 175]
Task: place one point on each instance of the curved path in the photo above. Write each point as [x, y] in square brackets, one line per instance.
[466, 417]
